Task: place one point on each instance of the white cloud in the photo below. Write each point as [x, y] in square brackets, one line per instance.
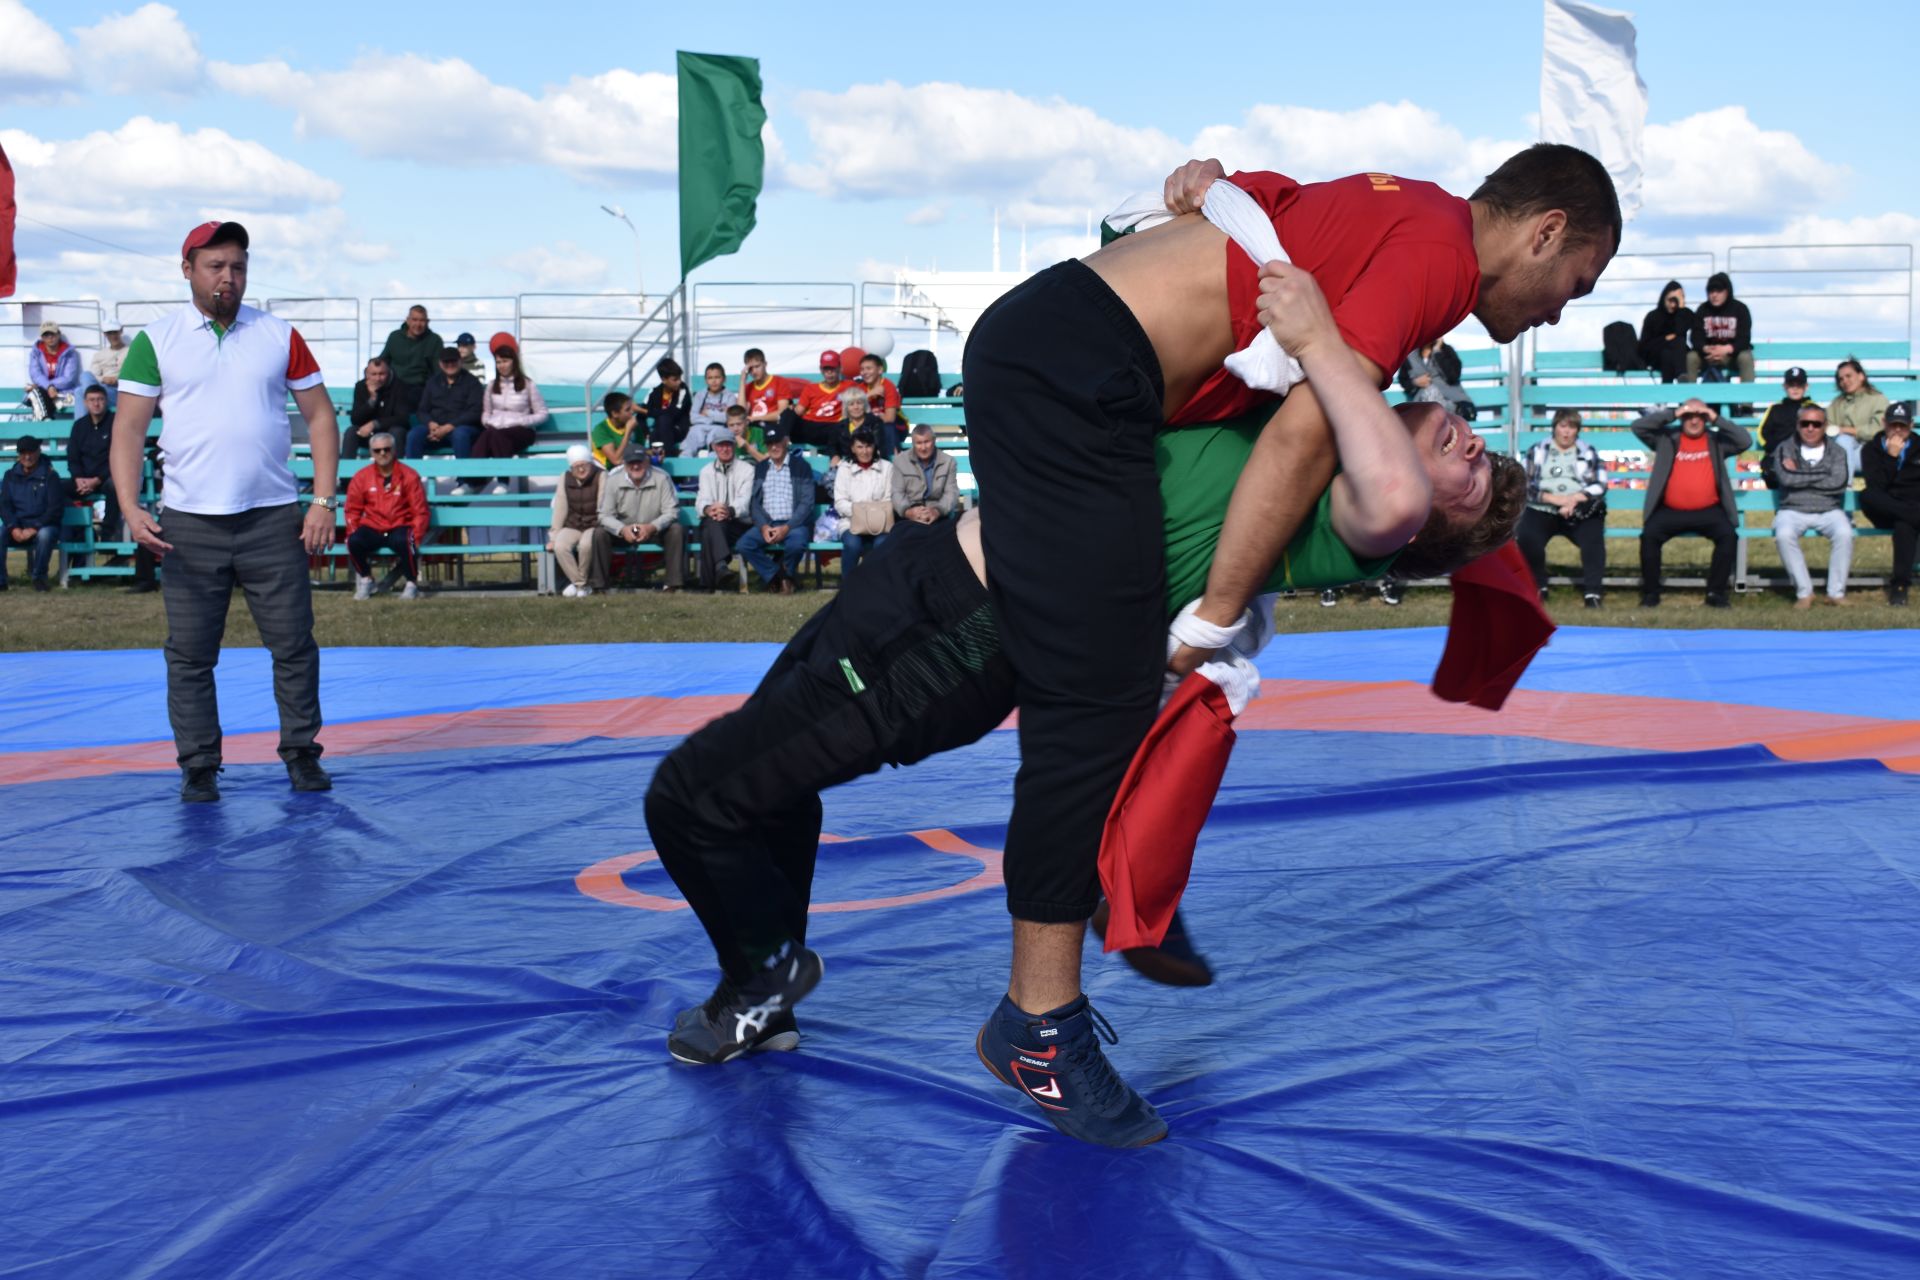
[1314, 144]
[364, 254]
[144, 51]
[1720, 166]
[564, 266]
[927, 215]
[33, 58]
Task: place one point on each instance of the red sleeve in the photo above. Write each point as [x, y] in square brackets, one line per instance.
[416, 506]
[300, 361]
[356, 493]
[890, 394]
[1409, 294]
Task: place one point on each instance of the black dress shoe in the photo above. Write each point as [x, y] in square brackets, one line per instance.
[1592, 601]
[141, 588]
[305, 773]
[1715, 600]
[200, 784]
[1897, 596]
[1649, 600]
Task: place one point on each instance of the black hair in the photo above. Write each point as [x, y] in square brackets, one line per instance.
[736, 411]
[865, 436]
[519, 371]
[615, 401]
[754, 353]
[1552, 175]
[716, 365]
[669, 368]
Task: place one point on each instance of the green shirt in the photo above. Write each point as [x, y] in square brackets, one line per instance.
[605, 436]
[1199, 467]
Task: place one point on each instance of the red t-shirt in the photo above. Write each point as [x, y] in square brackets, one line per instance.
[760, 397]
[1393, 256]
[821, 403]
[883, 396]
[1691, 487]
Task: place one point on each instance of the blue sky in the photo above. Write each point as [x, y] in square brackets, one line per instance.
[379, 148]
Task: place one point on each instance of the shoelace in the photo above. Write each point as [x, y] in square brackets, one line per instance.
[1103, 1084]
[723, 995]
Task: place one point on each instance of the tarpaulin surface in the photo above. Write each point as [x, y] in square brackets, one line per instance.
[1603, 985]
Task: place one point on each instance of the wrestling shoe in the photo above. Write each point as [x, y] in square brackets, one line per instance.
[1174, 963]
[740, 1018]
[1056, 1060]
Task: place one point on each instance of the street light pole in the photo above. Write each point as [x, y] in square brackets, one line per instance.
[639, 269]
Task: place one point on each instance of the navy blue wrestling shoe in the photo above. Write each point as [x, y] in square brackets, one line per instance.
[1174, 963]
[749, 1016]
[1056, 1060]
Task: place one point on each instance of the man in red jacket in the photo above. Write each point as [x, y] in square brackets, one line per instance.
[386, 507]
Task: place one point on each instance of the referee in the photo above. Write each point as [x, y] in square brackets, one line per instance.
[233, 512]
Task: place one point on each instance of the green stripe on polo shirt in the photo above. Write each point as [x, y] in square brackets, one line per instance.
[141, 365]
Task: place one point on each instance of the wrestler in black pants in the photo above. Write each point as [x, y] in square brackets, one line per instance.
[902, 664]
[1665, 523]
[1589, 534]
[1063, 400]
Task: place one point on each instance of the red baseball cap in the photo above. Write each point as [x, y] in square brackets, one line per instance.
[829, 359]
[207, 232]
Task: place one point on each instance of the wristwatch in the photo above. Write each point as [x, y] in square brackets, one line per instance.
[331, 504]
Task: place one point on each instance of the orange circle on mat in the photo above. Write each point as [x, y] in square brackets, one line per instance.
[603, 879]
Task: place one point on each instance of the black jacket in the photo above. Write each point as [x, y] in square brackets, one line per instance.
[458, 403]
[32, 499]
[668, 417]
[1658, 323]
[1898, 478]
[1730, 323]
[384, 409]
[89, 446]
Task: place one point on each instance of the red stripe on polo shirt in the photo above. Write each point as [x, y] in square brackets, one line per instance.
[300, 361]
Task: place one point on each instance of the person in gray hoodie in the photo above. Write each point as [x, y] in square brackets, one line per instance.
[1813, 473]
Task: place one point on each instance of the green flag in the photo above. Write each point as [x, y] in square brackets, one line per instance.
[721, 157]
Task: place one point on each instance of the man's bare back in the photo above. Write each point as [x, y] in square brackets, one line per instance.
[1173, 278]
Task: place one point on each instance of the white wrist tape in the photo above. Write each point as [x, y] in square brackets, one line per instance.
[1190, 629]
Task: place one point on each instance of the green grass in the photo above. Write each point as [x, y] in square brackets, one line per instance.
[103, 617]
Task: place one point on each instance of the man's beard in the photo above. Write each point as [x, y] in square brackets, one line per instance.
[223, 307]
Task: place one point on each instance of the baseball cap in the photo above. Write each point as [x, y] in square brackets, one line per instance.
[775, 433]
[47, 327]
[27, 444]
[464, 340]
[115, 327]
[449, 353]
[829, 359]
[1899, 412]
[208, 232]
[1796, 377]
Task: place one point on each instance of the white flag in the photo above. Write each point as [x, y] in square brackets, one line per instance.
[1591, 94]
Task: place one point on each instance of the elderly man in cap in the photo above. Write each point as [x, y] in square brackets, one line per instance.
[32, 500]
[449, 411]
[53, 366]
[1892, 496]
[638, 505]
[724, 498]
[782, 514]
[1813, 475]
[234, 514]
[105, 365]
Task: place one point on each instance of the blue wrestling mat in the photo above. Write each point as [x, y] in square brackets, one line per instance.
[1619, 982]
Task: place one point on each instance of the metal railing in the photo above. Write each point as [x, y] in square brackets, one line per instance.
[664, 331]
[1866, 294]
[331, 328]
[480, 314]
[80, 328]
[791, 322]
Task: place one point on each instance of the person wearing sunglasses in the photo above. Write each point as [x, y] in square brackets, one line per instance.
[1689, 491]
[386, 510]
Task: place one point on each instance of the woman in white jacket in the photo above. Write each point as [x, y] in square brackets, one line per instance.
[863, 497]
[511, 406]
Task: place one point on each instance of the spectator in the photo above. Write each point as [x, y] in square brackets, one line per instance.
[1664, 331]
[470, 360]
[378, 405]
[724, 498]
[413, 359]
[1431, 375]
[32, 501]
[1814, 474]
[511, 406]
[54, 367]
[883, 398]
[782, 507]
[1722, 336]
[613, 432]
[1566, 498]
[765, 395]
[709, 416]
[449, 412]
[1778, 426]
[386, 508]
[1857, 412]
[89, 472]
[669, 409]
[859, 411]
[105, 366]
[1892, 496]
[1689, 492]
[638, 505]
[820, 413]
[575, 537]
[749, 437]
[924, 484]
[863, 495]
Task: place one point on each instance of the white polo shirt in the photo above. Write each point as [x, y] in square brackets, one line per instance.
[224, 434]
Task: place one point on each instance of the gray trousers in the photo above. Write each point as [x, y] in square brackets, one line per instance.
[1836, 527]
[259, 551]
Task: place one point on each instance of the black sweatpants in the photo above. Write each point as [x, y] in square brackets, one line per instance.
[366, 542]
[1903, 518]
[903, 663]
[1664, 523]
[1063, 399]
[1589, 534]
